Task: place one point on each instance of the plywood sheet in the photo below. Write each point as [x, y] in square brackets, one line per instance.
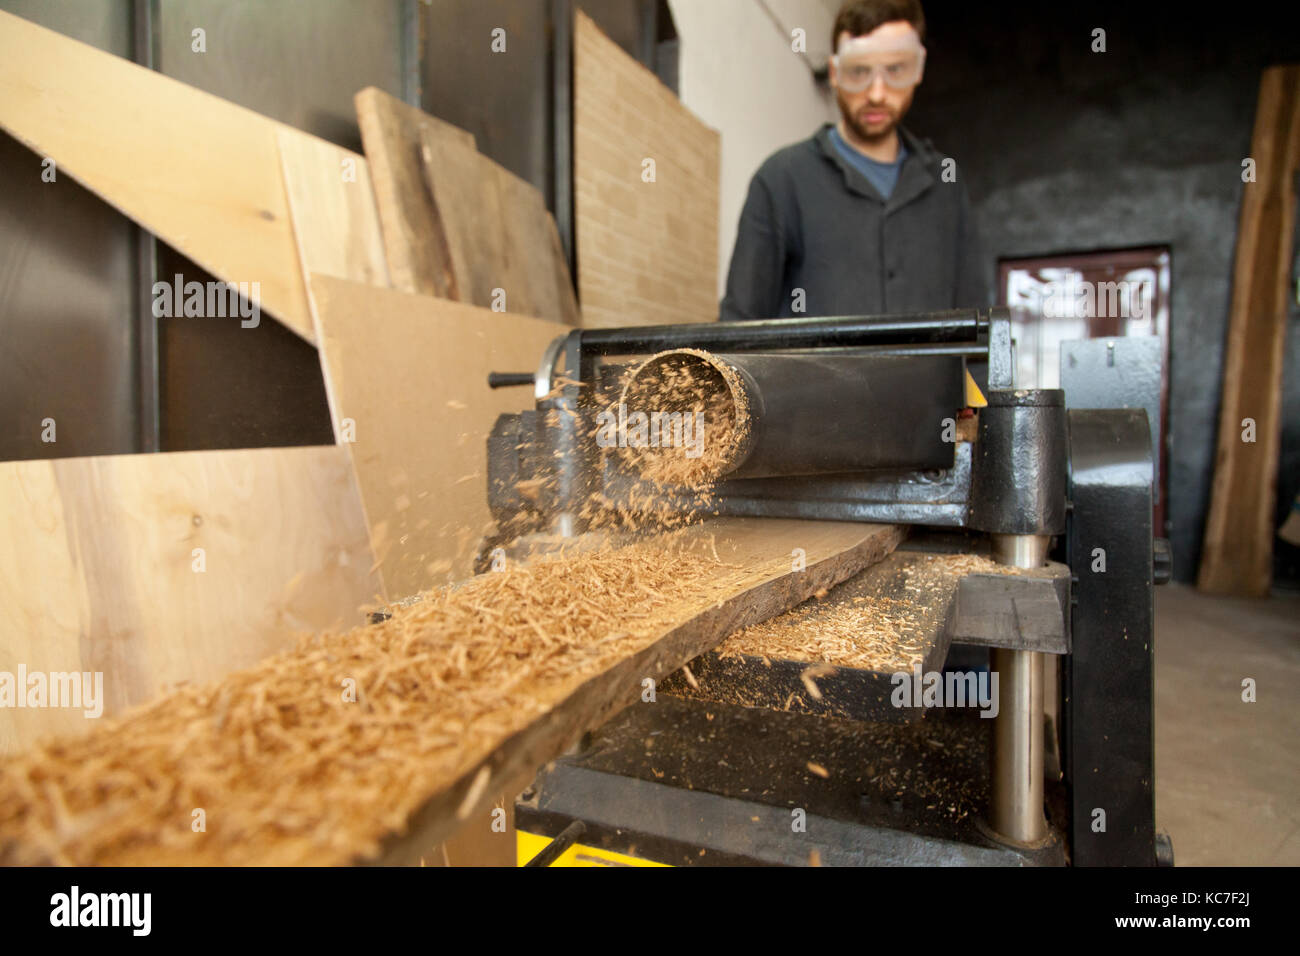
[332, 205]
[647, 247]
[409, 373]
[97, 568]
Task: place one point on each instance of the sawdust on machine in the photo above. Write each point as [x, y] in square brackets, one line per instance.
[878, 634]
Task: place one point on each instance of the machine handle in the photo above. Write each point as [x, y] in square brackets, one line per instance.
[566, 838]
[510, 379]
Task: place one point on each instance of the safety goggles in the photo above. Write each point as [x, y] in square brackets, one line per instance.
[861, 60]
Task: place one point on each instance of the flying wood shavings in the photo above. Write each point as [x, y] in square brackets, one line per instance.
[809, 675]
[473, 794]
[531, 488]
[315, 755]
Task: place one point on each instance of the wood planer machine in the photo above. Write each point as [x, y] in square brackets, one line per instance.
[913, 420]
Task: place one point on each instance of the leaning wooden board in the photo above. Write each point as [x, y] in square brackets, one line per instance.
[332, 205]
[456, 224]
[200, 172]
[392, 131]
[505, 250]
[1238, 553]
[98, 568]
[409, 373]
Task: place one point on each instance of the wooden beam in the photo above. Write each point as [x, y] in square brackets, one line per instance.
[1237, 557]
[99, 569]
[409, 372]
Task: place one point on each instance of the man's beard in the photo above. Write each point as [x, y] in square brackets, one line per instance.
[859, 129]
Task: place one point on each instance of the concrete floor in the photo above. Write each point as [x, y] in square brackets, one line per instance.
[1228, 772]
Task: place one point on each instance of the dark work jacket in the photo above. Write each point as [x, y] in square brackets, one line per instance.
[813, 222]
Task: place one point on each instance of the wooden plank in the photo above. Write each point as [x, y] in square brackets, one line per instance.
[500, 236]
[197, 171]
[457, 225]
[97, 568]
[332, 206]
[766, 584]
[455, 697]
[410, 372]
[392, 132]
[335, 223]
[647, 250]
[1238, 554]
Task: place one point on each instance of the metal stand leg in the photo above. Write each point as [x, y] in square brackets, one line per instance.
[1016, 791]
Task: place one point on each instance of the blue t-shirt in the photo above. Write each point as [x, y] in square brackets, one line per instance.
[884, 176]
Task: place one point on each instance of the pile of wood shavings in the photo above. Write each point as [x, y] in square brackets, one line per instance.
[870, 633]
[288, 772]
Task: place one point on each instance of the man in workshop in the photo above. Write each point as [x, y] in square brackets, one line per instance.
[864, 218]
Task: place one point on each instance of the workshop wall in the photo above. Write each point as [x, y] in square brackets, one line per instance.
[67, 285]
[1065, 150]
[739, 75]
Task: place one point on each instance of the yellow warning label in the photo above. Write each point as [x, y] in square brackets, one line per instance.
[528, 845]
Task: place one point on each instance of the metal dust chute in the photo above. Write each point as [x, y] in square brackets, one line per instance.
[683, 418]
